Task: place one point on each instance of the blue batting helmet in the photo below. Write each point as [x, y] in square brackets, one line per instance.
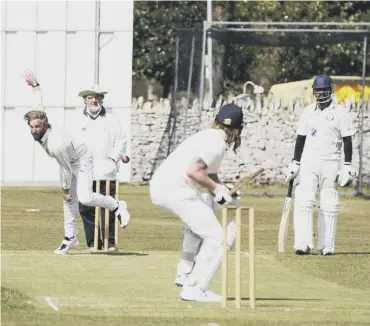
[323, 88]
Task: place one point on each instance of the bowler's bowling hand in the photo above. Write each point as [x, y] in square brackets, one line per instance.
[30, 78]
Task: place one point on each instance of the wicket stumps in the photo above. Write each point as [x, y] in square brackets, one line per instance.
[106, 219]
[238, 218]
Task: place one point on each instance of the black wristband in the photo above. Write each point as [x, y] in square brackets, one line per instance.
[298, 149]
[35, 85]
[347, 149]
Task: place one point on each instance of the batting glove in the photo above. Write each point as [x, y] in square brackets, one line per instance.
[346, 175]
[235, 195]
[291, 170]
[222, 194]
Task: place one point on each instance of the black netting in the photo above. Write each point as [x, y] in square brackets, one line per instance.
[284, 39]
[186, 85]
[261, 66]
[189, 63]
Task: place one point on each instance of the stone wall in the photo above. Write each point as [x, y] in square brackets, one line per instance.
[267, 140]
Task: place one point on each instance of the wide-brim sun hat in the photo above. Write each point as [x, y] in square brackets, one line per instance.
[92, 90]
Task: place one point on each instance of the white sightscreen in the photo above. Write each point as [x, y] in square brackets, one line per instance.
[56, 40]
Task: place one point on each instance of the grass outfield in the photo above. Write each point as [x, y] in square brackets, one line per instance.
[135, 286]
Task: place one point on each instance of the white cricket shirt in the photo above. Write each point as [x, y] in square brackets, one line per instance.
[66, 150]
[324, 131]
[105, 138]
[208, 145]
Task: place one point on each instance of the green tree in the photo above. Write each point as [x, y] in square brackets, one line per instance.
[274, 65]
[155, 23]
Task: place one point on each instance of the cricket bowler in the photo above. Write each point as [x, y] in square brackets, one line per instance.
[76, 172]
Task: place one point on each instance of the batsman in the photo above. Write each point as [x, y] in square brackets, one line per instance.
[324, 127]
[175, 187]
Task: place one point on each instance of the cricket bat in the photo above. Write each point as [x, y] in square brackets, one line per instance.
[284, 222]
[245, 180]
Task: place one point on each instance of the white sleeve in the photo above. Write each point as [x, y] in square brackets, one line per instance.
[62, 157]
[209, 153]
[119, 138]
[346, 126]
[302, 126]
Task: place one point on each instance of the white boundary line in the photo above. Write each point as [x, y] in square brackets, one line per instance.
[51, 303]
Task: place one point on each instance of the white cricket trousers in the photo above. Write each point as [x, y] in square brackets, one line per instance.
[192, 242]
[199, 217]
[316, 175]
[82, 191]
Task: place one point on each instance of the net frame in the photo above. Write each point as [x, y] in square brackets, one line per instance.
[363, 29]
[355, 32]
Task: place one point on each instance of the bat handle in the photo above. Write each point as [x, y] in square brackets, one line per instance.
[290, 188]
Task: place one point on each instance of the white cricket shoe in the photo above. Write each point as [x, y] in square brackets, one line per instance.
[181, 279]
[122, 214]
[67, 245]
[194, 293]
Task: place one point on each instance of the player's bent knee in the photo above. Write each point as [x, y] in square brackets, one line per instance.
[85, 201]
[304, 197]
[329, 200]
[85, 198]
[213, 242]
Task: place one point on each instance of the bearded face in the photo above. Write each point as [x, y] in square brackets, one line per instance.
[38, 128]
[93, 103]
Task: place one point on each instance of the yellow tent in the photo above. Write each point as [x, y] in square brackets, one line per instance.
[350, 87]
[345, 87]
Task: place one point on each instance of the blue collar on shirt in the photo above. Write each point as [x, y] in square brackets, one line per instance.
[45, 137]
[102, 113]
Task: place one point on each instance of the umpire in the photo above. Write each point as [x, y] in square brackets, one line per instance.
[104, 136]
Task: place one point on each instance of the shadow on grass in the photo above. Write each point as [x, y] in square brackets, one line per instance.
[316, 254]
[112, 253]
[336, 254]
[353, 253]
[275, 299]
